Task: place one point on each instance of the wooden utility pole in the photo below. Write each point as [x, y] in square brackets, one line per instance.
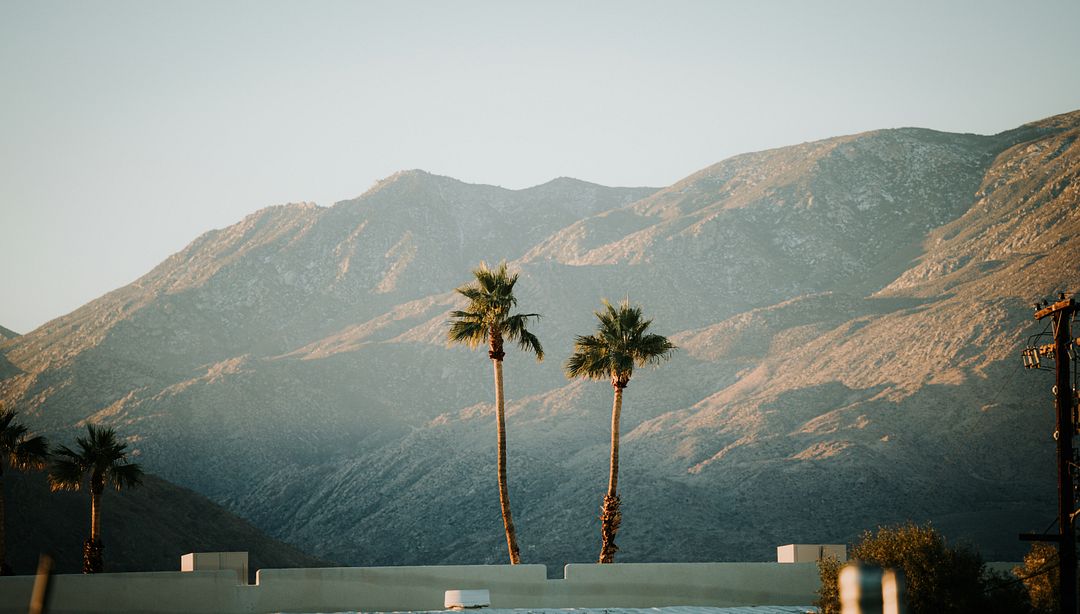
[1062, 313]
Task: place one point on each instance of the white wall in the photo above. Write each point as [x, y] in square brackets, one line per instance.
[390, 589]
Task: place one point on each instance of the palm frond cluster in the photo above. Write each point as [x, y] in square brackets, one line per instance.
[101, 460]
[487, 317]
[621, 342]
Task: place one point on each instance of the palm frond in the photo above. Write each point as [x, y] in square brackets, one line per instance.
[467, 332]
[8, 430]
[124, 476]
[11, 432]
[68, 470]
[467, 315]
[30, 453]
[590, 359]
[497, 282]
[21, 451]
[514, 329]
[471, 292]
[528, 342]
[653, 350]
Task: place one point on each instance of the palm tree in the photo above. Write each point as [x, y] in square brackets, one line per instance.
[487, 318]
[21, 453]
[620, 343]
[101, 460]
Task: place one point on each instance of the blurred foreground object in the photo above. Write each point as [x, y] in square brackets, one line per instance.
[871, 590]
[40, 596]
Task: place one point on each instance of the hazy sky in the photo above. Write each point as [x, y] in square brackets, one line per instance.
[129, 128]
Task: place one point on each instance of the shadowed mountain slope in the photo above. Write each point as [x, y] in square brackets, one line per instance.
[144, 529]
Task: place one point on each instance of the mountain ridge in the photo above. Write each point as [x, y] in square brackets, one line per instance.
[850, 312]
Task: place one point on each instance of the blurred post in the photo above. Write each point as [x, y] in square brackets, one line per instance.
[40, 597]
[860, 590]
[871, 590]
[893, 589]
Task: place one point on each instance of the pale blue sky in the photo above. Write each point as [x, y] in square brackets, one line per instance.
[129, 128]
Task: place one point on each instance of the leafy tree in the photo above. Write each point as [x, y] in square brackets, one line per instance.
[939, 579]
[487, 319]
[1040, 577]
[621, 342]
[20, 452]
[101, 460]
[829, 594]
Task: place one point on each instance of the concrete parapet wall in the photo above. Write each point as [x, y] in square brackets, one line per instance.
[646, 585]
[165, 592]
[390, 589]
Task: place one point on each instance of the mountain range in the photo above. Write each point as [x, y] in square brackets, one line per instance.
[849, 314]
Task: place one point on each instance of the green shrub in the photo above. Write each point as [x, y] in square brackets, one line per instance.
[939, 579]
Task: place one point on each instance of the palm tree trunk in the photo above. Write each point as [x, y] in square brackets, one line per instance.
[610, 516]
[93, 556]
[95, 516]
[504, 494]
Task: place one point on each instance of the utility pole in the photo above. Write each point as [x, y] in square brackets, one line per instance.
[1062, 313]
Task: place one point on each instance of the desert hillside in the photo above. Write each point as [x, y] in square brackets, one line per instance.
[849, 314]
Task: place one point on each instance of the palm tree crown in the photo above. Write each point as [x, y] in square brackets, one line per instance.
[620, 343]
[487, 318]
[101, 458]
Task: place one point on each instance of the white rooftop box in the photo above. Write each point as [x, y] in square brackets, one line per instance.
[466, 599]
[810, 553]
[213, 561]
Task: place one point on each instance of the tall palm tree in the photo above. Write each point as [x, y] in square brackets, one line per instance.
[620, 343]
[102, 461]
[20, 452]
[487, 318]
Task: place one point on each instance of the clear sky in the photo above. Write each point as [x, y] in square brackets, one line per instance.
[129, 128]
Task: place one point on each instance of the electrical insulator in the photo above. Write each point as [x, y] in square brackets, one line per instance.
[1031, 358]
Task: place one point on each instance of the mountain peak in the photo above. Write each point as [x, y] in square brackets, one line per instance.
[410, 178]
[407, 173]
[564, 180]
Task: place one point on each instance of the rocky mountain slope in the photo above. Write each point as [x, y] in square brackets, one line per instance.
[849, 312]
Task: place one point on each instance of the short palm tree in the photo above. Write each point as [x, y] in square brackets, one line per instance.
[620, 343]
[22, 453]
[487, 318]
[101, 460]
